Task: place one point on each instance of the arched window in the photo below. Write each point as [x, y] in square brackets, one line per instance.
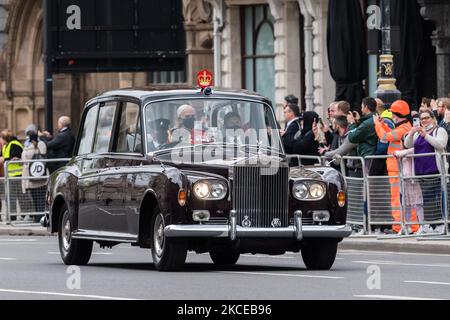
[258, 50]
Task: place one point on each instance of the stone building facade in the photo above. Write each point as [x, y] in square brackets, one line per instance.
[276, 47]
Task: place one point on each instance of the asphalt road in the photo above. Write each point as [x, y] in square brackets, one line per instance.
[31, 268]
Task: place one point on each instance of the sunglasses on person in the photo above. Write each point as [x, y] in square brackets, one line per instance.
[425, 118]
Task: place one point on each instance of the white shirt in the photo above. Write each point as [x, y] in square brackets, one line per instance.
[289, 123]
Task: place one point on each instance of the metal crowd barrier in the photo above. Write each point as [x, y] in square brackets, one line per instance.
[370, 201]
[446, 188]
[372, 206]
[354, 172]
[24, 196]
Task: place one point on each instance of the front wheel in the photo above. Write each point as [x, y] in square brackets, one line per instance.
[319, 254]
[168, 254]
[224, 256]
[73, 251]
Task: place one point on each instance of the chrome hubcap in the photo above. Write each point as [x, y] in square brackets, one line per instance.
[158, 235]
[66, 233]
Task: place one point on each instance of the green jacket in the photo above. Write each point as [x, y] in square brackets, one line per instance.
[364, 135]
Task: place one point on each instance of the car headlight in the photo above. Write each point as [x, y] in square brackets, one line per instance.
[308, 190]
[316, 191]
[217, 190]
[209, 190]
[300, 191]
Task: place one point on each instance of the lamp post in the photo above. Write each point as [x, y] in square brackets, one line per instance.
[386, 91]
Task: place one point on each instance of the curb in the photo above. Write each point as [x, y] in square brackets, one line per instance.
[23, 232]
[398, 245]
[434, 247]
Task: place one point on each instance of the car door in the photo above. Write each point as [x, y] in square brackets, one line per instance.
[87, 163]
[93, 218]
[113, 179]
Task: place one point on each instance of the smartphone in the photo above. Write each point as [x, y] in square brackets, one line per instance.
[416, 122]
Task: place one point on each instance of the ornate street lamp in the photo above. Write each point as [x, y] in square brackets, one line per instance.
[386, 91]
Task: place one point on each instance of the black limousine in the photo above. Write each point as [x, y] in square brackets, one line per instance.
[192, 170]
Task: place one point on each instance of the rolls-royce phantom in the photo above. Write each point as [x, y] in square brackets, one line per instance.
[192, 170]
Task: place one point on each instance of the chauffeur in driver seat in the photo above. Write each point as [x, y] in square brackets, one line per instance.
[159, 133]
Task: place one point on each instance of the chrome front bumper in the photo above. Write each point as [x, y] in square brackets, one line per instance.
[233, 231]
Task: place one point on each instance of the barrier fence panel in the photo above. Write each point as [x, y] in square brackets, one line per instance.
[446, 188]
[425, 198]
[24, 195]
[383, 195]
[2, 200]
[354, 171]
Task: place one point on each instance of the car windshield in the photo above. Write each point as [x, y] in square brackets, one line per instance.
[246, 125]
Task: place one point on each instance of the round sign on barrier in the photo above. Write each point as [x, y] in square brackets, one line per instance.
[37, 169]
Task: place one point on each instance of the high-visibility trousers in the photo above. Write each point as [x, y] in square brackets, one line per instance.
[396, 204]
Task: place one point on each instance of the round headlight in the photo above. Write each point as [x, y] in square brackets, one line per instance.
[316, 190]
[201, 190]
[300, 191]
[217, 190]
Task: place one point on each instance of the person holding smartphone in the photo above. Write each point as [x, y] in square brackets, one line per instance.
[362, 131]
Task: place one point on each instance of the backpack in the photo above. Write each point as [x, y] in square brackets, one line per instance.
[37, 168]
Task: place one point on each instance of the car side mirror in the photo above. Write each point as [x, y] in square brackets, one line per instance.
[149, 158]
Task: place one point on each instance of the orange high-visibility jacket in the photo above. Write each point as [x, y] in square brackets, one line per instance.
[394, 137]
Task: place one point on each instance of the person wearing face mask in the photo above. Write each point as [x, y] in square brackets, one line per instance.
[428, 138]
[400, 111]
[186, 132]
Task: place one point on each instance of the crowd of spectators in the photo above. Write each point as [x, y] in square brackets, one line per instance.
[29, 192]
[379, 131]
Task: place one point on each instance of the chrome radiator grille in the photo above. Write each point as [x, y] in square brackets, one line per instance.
[261, 198]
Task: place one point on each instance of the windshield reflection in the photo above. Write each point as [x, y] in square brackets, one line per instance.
[246, 126]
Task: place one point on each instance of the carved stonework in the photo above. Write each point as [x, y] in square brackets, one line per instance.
[197, 11]
[276, 8]
[438, 11]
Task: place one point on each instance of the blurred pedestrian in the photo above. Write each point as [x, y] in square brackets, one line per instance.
[425, 105]
[12, 151]
[400, 111]
[446, 125]
[429, 138]
[412, 193]
[378, 167]
[290, 99]
[343, 147]
[292, 118]
[308, 142]
[362, 131]
[61, 146]
[37, 187]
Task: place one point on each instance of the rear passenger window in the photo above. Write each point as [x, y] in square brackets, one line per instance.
[105, 127]
[87, 135]
[129, 139]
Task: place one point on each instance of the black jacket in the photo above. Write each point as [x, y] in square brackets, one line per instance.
[61, 146]
[289, 136]
[306, 143]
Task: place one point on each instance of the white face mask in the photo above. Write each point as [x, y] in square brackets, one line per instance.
[429, 127]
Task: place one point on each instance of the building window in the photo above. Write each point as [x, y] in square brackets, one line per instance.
[163, 77]
[258, 54]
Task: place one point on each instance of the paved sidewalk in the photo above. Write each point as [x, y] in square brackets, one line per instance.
[23, 230]
[431, 244]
